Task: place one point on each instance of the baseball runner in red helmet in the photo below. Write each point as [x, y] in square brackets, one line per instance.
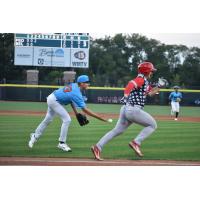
[132, 111]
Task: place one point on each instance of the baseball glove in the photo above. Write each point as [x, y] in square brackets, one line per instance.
[178, 99]
[162, 82]
[82, 119]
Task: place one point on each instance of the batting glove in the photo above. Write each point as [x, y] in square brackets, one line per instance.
[162, 82]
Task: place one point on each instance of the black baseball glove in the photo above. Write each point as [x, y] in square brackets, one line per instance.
[82, 119]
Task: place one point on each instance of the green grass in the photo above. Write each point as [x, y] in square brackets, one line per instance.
[171, 141]
[103, 108]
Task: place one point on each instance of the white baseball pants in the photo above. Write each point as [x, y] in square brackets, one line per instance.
[175, 106]
[54, 108]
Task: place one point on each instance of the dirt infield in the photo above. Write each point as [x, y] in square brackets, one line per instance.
[114, 116]
[22, 161]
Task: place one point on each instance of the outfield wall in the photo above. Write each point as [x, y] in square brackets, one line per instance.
[14, 92]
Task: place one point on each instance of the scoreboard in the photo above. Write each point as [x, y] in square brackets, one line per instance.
[52, 50]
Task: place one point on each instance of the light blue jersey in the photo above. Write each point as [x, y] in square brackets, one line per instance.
[70, 93]
[174, 95]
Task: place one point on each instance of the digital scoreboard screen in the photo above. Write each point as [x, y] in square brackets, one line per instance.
[53, 50]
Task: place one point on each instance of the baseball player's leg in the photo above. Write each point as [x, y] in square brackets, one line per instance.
[177, 109]
[172, 112]
[66, 120]
[42, 126]
[120, 127]
[47, 120]
[143, 118]
[51, 101]
[173, 105]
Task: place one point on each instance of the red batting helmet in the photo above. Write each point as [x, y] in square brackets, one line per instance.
[145, 68]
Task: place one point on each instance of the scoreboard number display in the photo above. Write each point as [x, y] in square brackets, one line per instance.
[52, 50]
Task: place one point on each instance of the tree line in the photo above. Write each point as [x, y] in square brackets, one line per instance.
[113, 62]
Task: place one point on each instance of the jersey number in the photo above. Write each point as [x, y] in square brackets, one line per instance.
[67, 88]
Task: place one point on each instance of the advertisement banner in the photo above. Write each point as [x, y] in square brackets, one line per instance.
[23, 56]
[79, 58]
[42, 56]
[55, 57]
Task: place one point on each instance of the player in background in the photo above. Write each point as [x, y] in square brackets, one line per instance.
[70, 94]
[175, 97]
[132, 111]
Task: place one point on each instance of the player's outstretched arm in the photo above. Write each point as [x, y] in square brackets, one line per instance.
[92, 114]
[154, 91]
[161, 83]
[74, 109]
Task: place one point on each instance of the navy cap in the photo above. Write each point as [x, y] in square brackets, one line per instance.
[83, 79]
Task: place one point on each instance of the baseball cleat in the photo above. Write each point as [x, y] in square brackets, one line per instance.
[64, 147]
[32, 140]
[95, 150]
[136, 148]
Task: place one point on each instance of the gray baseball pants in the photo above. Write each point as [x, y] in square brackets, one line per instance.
[129, 115]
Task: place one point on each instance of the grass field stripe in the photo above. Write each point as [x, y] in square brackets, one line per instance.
[92, 88]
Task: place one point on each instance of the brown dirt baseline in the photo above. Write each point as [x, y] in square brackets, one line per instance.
[30, 161]
[114, 116]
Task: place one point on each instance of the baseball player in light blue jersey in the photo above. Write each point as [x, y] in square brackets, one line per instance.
[70, 94]
[175, 98]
